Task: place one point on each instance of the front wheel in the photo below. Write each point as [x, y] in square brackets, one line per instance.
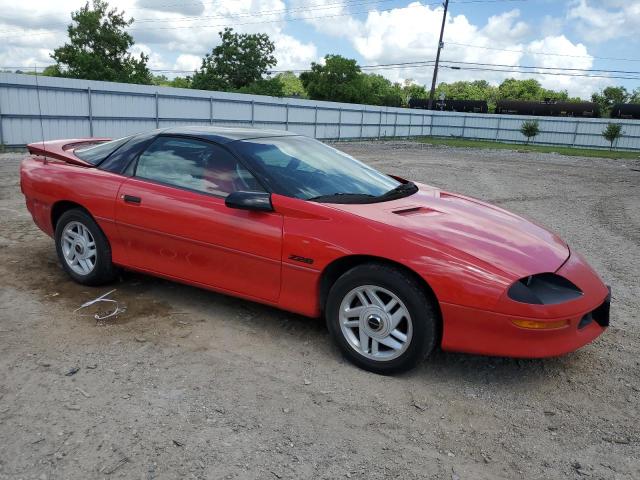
[381, 318]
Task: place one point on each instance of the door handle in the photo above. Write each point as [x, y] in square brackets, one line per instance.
[132, 199]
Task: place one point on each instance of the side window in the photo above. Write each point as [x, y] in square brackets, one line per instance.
[194, 165]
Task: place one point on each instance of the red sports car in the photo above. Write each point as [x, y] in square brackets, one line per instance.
[396, 267]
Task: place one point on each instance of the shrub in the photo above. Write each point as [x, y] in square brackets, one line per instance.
[612, 133]
[530, 129]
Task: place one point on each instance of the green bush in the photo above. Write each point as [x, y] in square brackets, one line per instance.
[612, 133]
[530, 129]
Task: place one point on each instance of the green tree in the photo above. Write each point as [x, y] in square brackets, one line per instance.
[180, 82]
[530, 89]
[608, 97]
[635, 96]
[474, 90]
[530, 129]
[51, 71]
[612, 133]
[413, 90]
[98, 48]
[291, 85]
[269, 86]
[341, 80]
[377, 90]
[160, 80]
[338, 80]
[177, 82]
[239, 61]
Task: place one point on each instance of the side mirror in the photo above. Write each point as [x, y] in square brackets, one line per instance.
[256, 201]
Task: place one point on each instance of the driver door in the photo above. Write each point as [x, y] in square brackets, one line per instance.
[173, 220]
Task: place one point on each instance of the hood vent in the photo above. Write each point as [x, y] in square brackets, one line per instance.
[405, 212]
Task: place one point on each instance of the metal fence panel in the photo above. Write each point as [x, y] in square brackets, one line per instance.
[171, 107]
[32, 108]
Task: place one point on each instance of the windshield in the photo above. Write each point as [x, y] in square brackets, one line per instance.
[304, 168]
[97, 153]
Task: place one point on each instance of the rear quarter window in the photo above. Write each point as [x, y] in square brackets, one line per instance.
[97, 153]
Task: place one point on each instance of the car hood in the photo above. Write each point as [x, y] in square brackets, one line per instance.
[507, 241]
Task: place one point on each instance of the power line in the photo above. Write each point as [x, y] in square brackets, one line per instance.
[529, 52]
[133, 29]
[312, 7]
[247, 14]
[294, 19]
[459, 65]
[588, 70]
[327, 6]
[560, 74]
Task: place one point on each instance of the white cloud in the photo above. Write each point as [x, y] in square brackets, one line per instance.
[329, 16]
[174, 34]
[293, 54]
[192, 7]
[156, 61]
[411, 34]
[575, 56]
[607, 20]
[187, 62]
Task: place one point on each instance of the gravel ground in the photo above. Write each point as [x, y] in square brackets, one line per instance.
[191, 384]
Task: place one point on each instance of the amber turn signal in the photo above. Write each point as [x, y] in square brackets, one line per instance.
[540, 325]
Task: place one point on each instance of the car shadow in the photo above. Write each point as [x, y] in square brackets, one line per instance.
[474, 369]
[146, 295]
[483, 370]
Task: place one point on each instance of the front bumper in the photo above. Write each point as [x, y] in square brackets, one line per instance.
[494, 333]
[489, 333]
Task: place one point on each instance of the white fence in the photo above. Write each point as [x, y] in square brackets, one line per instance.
[32, 108]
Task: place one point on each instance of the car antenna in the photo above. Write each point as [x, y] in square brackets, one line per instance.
[44, 148]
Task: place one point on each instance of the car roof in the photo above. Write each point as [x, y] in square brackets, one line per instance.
[224, 134]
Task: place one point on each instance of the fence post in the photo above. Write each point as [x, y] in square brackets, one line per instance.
[498, 129]
[315, 123]
[380, 124]
[395, 124]
[464, 124]
[339, 122]
[431, 124]
[362, 120]
[157, 113]
[210, 110]
[286, 120]
[575, 134]
[1, 132]
[90, 112]
[253, 112]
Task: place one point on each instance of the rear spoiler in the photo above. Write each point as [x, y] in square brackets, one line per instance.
[63, 149]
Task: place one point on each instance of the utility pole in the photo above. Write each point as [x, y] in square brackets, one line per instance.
[440, 45]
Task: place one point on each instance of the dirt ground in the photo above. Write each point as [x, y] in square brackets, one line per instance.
[191, 384]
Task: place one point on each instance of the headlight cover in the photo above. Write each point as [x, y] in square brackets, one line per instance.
[543, 289]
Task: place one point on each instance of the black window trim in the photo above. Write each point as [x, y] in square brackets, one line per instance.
[142, 146]
[264, 175]
[97, 165]
[239, 159]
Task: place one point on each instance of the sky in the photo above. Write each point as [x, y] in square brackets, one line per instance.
[569, 34]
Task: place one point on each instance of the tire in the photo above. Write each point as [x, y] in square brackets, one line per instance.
[376, 303]
[77, 231]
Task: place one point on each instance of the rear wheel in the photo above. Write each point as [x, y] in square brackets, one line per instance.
[83, 249]
[381, 318]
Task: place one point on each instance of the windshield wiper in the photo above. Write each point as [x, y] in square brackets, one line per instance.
[402, 190]
[341, 197]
